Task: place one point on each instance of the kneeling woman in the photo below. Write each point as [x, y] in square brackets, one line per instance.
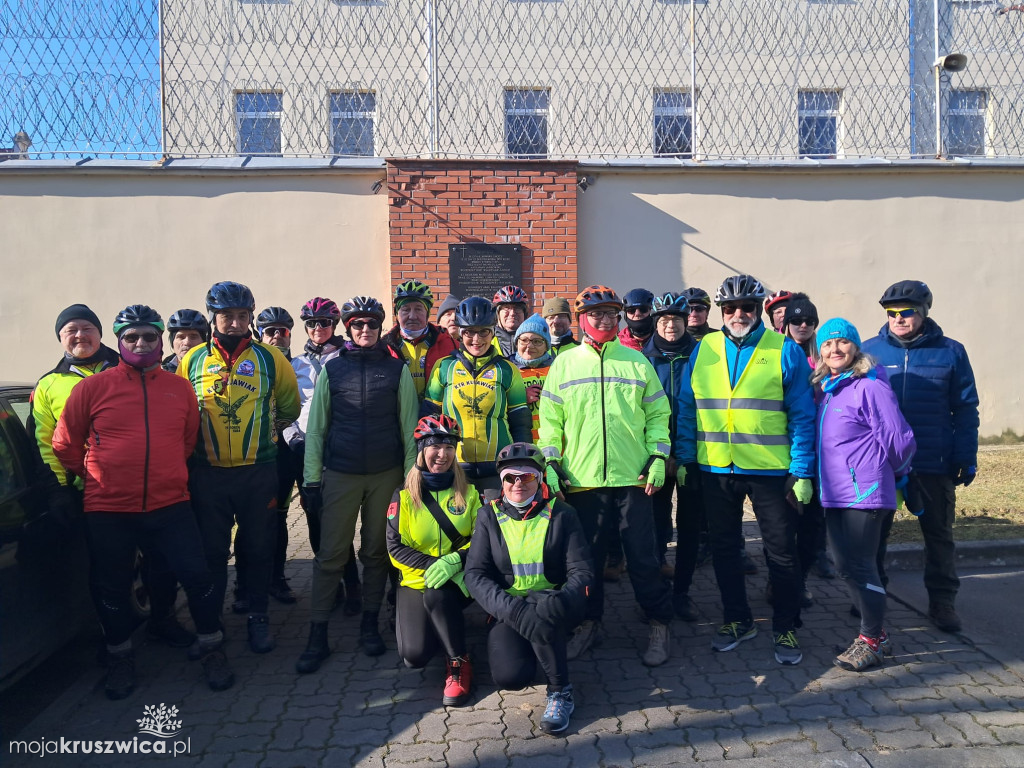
[529, 568]
[430, 522]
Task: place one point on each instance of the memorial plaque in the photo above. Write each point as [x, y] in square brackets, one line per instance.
[480, 269]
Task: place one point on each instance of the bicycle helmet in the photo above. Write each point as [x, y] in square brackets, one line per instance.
[511, 294]
[739, 288]
[188, 320]
[774, 299]
[137, 314]
[670, 304]
[697, 296]
[361, 306]
[413, 289]
[907, 292]
[596, 296]
[520, 453]
[475, 312]
[638, 298]
[320, 308]
[440, 426]
[228, 295]
[274, 317]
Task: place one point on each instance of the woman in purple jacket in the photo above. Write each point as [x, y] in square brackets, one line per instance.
[864, 451]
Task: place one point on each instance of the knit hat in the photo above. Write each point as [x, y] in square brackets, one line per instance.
[534, 324]
[837, 328]
[449, 304]
[77, 312]
[556, 306]
[800, 307]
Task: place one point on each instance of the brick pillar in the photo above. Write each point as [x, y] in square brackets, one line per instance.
[433, 203]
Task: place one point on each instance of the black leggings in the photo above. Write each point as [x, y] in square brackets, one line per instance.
[513, 659]
[429, 617]
[855, 535]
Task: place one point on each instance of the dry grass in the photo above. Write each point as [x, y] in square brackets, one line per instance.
[991, 508]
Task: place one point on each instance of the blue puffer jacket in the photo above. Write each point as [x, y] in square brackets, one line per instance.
[670, 371]
[934, 384]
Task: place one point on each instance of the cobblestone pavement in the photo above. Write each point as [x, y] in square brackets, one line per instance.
[940, 701]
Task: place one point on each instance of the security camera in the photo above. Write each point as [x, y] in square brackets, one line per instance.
[951, 62]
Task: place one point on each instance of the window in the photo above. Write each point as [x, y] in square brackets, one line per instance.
[965, 122]
[352, 122]
[818, 120]
[673, 123]
[258, 116]
[526, 123]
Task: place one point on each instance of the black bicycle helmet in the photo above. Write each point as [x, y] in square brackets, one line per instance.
[229, 295]
[670, 304]
[697, 296]
[137, 314]
[511, 294]
[320, 308]
[475, 312]
[594, 296]
[274, 317]
[414, 289]
[907, 292]
[188, 320]
[638, 298]
[740, 288]
[361, 306]
[519, 453]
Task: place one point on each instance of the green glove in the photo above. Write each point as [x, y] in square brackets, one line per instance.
[442, 569]
[551, 478]
[803, 490]
[899, 498]
[656, 472]
[681, 476]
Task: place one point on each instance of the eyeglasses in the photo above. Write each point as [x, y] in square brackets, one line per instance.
[602, 314]
[358, 325]
[697, 308]
[276, 331]
[535, 343]
[512, 479]
[747, 307]
[479, 333]
[903, 312]
[132, 338]
[804, 321]
[318, 323]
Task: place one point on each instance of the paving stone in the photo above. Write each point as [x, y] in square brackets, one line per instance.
[905, 739]
[853, 736]
[1009, 735]
[614, 751]
[823, 738]
[973, 732]
[292, 758]
[783, 748]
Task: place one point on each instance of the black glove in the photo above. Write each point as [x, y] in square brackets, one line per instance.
[534, 628]
[64, 506]
[314, 499]
[965, 474]
[552, 609]
[693, 478]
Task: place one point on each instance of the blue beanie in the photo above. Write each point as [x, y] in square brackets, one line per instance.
[534, 324]
[837, 328]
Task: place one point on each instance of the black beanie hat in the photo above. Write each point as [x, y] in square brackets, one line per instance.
[799, 306]
[77, 312]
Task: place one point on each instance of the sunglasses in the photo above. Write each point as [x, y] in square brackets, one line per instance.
[746, 307]
[804, 321]
[512, 479]
[318, 324]
[905, 312]
[358, 325]
[275, 331]
[132, 338]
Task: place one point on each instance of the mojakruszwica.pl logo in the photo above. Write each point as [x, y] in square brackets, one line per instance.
[159, 729]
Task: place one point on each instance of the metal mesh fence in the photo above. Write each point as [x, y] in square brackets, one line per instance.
[709, 79]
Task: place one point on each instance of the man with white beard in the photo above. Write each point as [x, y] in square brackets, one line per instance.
[745, 427]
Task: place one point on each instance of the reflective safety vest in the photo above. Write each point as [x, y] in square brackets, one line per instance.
[419, 530]
[525, 542]
[746, 425]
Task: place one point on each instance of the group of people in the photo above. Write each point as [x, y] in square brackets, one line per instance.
[495, 457]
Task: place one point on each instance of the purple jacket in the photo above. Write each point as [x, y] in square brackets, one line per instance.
[864, 443]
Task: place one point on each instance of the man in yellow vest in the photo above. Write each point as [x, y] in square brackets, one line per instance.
[745, 427]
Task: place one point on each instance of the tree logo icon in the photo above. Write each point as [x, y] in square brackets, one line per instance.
[160, 721]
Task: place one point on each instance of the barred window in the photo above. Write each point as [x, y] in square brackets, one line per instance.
[526, 123]
[258, 118]
[352, 116]
[673, 123]
[818, 121]
[965, 122]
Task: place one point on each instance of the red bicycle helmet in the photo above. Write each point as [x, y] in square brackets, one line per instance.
[437, 426]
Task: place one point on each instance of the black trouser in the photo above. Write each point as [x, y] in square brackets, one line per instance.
[248, 495]
[855, 535]
[287, 474]
[810, 534]
[172, 531]
[629, 510]
[160, 582]
[427, 618]
[723, 500]
[688, 515]
[513, 659]
[940, 577]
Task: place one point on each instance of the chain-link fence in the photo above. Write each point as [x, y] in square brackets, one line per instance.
[707, 80]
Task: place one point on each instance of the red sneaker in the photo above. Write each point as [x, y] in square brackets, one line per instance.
[458, 683]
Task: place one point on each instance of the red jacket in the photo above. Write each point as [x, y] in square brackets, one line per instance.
[128, 435]
[627, 339]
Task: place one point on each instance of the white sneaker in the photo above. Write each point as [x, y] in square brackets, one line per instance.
[582, 639]
[658, 646]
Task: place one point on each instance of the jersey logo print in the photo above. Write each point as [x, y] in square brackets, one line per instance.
[473, 402]
[229, 411]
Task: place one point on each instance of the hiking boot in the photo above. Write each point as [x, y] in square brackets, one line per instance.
[120, 680]
[732, 634]
[317, 649]
[280, 591]
[787, 648]
[216, 670]
[369, 634]
[944, 616]
[259, 633]
[885, 644]
[749, 566]
[823, 565]
[859, 656]
[582, 638]
[685, 608]
[558, 711]
[169, 632]
[458, 683]
[353, 604]
[658, 646]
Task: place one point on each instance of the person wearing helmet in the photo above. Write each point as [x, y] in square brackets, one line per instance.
[430, 523]
[533, 357]
[934, 384]
[775, 305]
[482, 391]
[639, 326]
[320, 317]
[274, 325]
[359, 445]
[558, 315]
[139, 498]
[604, 430]
[745, 427]
[186, 328]
[510, 304]
[700, 305]
[529, 567]
[414, 339]
[247, 393]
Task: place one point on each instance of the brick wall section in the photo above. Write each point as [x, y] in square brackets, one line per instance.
[533, 203]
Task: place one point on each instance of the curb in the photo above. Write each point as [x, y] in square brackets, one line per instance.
[969, 554]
